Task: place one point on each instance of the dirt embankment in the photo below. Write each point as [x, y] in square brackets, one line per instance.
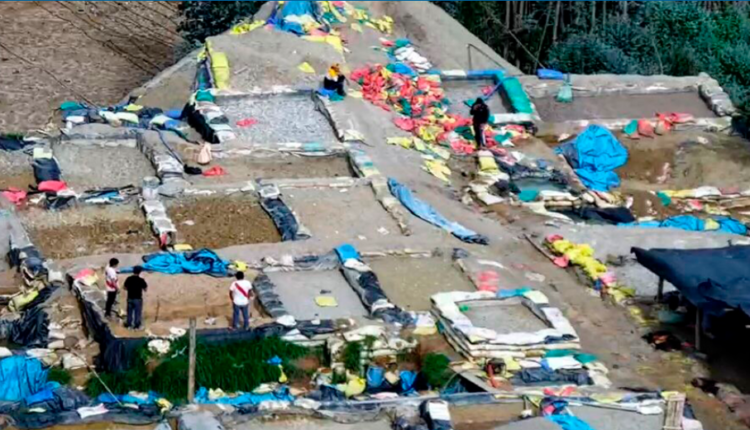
[94, 51]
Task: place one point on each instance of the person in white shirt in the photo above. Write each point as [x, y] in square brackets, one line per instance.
[111, 285]
[241, 294]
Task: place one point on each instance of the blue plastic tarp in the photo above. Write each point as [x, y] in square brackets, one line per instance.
[281, 14]
[594, 155]
[203, 261]
[20, 377]
[691, 223]
[347, 252]
[281, 394]
[109, 399]
[429, 214]
[569, 422]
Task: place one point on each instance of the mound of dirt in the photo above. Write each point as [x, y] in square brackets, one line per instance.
[267, 57]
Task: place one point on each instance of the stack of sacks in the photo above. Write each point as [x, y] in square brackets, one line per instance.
[484, 342]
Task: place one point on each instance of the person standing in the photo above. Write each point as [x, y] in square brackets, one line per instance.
[241, 294]
[135, 286]
[111, 285]
[480, 114]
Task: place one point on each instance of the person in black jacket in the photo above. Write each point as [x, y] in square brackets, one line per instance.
[480, 114]
[135, 286]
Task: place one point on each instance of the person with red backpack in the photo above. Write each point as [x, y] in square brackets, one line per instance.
[241, 294]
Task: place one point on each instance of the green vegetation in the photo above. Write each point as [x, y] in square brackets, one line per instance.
[59, 375]
[352, 357]
[202, 19]
[235, 366]
[435, 369]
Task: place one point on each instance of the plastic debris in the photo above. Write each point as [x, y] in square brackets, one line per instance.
[306, 68]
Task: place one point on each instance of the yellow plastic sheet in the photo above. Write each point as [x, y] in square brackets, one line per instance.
[326, 301]
[306, 68]
[246, 27]
[220, 69]
[711, 224]
[438, 169]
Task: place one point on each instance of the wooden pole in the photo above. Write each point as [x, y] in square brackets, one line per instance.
[698, 328]
[191, 364]
[660, 293]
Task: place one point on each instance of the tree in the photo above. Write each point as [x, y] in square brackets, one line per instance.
[202, 19]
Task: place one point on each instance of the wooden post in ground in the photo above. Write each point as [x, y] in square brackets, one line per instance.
[660, 292]
[191, 363]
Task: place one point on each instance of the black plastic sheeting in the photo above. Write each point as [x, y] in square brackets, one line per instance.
[267, 296]
[272, 304]
[46, 169]
[612, 216]
[32, 329]
[199, 122]
[367, 286]
[284, 219]
[711, 279]
[63, 400]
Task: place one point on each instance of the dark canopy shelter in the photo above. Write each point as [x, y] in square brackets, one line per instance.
[713, 280]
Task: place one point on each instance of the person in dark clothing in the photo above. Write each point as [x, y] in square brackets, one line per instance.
[334, 80]
[135, 286]
[480, 114]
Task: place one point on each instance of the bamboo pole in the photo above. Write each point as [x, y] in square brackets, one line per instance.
[191, 363]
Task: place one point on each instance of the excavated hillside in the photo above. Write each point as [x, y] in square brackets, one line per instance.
[93, 51]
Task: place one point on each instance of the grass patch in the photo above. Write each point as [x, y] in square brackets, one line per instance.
[352, 357]
[235, 366]
[59, 375]
[435, 369]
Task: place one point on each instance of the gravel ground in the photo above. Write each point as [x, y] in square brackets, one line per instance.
[280, 119]
[411, 282]
[87, 167]
[219, 222]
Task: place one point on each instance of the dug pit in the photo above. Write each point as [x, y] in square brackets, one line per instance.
[298, 291]
[88, 167]
[89, 230]
[410, 282]
[221, 221]
[460, 91]
[616, 106]
[277, 119]
[242, 169]
[341, 214]
[502, 316]
[681, 160]
[171, 300]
